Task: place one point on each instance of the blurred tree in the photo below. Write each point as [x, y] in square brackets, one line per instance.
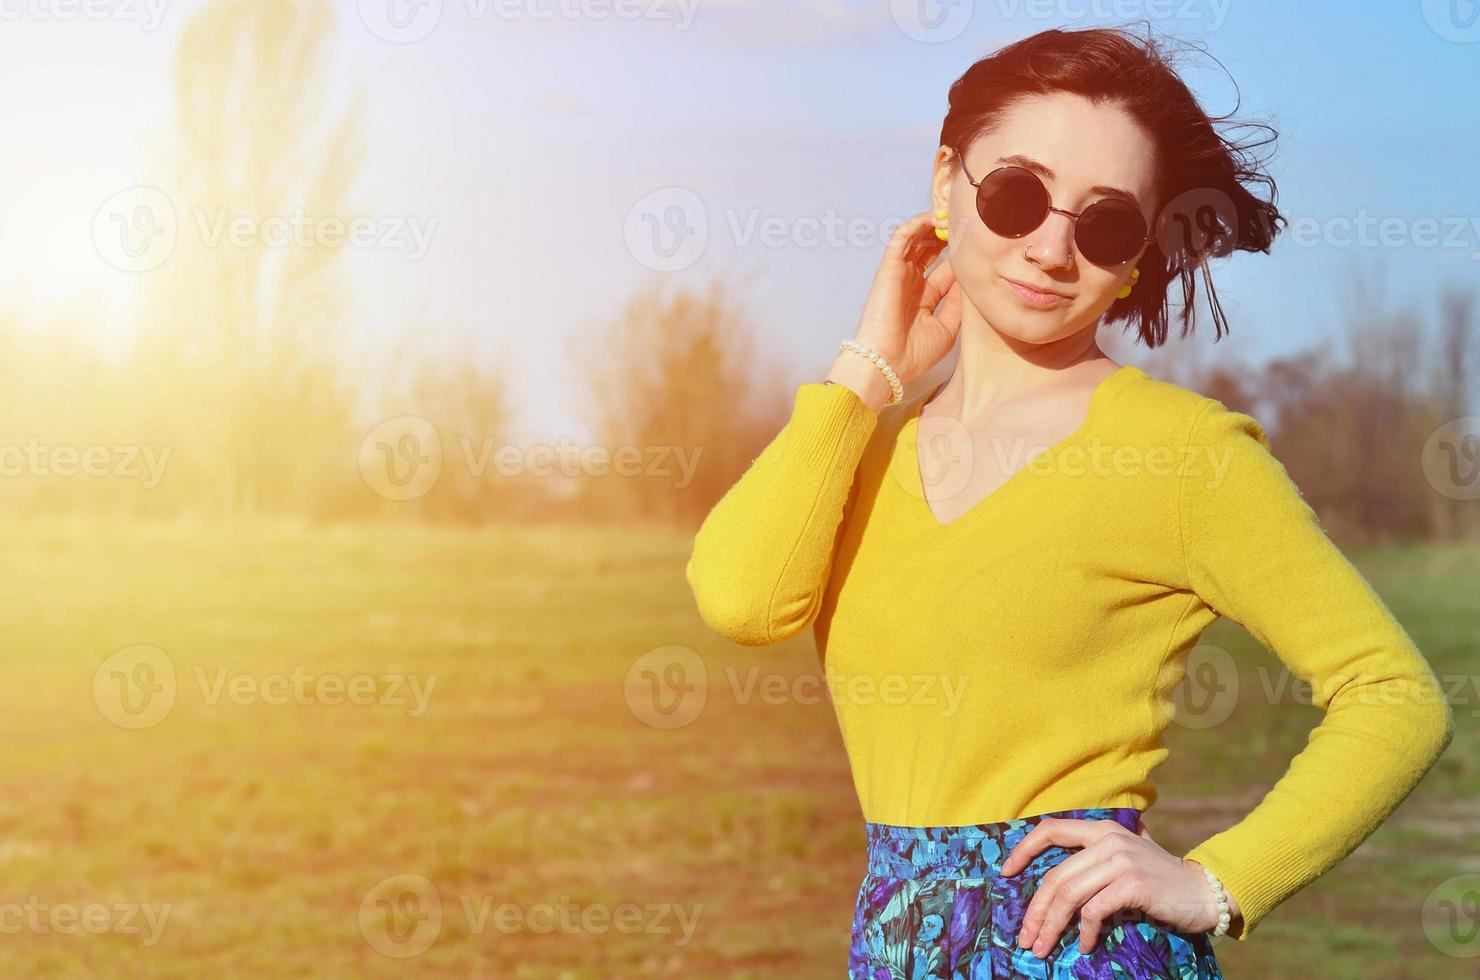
[241, 325]
[678, 384]
[1454, 397]
[471, 405]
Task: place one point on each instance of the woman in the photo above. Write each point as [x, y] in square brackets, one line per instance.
[1058, 593]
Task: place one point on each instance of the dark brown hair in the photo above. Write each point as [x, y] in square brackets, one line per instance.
[1203, 207]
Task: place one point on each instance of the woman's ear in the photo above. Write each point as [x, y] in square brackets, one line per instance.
[944, 173]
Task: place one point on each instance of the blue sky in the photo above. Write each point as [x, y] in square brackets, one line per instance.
[537, 144]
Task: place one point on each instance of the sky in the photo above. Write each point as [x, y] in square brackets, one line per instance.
[555, 155]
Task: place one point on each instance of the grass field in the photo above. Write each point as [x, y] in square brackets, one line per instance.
[267, 816]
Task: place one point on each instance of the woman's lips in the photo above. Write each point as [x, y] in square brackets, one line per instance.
[1034, 297]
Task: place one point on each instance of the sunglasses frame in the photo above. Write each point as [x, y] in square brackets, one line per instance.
[1072, 215]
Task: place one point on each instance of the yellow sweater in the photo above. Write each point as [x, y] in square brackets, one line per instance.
[1022, 658]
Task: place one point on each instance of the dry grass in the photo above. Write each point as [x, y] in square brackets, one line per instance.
[529, 779]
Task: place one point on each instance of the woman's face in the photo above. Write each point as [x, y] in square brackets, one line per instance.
[1081, 145]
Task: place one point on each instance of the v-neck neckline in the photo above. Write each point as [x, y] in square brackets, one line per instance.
[1098, 398]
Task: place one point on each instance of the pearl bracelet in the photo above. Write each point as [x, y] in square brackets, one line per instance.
[1222, 898]
[895, 387]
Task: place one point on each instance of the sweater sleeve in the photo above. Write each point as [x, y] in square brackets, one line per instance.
[762, 556]
[1255, 552]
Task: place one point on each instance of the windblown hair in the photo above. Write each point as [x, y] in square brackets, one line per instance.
[1205, 206]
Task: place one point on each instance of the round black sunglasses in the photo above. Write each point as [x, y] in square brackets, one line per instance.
[1012, 201]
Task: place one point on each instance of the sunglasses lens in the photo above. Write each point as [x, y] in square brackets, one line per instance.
[1012, 201]
[1110, 232]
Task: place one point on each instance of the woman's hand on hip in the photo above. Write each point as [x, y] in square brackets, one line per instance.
[1113, 869]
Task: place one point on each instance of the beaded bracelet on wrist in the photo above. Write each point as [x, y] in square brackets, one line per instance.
[895, 387]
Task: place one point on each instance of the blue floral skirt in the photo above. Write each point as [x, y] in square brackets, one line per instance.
[934, 907]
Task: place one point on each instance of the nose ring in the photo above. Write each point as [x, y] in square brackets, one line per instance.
[1069, 256]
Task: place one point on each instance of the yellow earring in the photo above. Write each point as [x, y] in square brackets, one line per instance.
[1126, 289]
[944, 234]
